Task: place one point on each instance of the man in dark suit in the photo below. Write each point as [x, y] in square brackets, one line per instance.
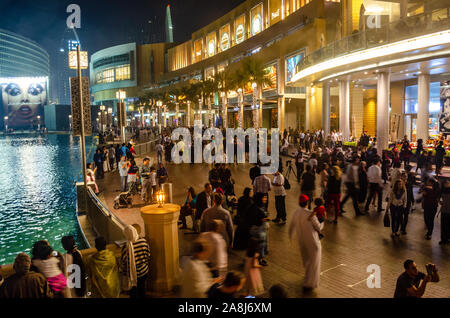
[255, 171]
[204, 201]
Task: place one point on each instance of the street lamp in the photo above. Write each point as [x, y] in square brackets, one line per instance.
[102, 118]
[6, 124]
[70, 122]
[39, 122]
[121, 95]
[159, 104]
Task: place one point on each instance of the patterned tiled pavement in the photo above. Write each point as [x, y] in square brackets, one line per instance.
[348, 247]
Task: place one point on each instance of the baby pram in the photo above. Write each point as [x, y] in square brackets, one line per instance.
[123, 200]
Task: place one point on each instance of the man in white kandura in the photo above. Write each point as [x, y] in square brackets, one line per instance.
[307, 233]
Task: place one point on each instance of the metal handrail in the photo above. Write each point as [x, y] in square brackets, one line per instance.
[401, 29]
[105, 210]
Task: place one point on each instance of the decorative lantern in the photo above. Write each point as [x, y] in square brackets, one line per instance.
[160, 198]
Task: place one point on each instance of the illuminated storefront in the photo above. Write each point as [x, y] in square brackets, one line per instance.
[411, 107]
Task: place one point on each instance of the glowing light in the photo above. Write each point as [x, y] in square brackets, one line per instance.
[388, 49]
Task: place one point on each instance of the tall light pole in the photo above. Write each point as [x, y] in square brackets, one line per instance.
[121, 95]
[159, 104]
[103, 117]
[83, 145]
[39, 122]
[6, 124]
[70, 122]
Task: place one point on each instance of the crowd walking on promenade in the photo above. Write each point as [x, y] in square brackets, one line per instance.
[329, 174]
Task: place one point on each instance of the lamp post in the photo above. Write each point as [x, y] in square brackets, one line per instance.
[70, 122]
[6, 124]
[121, 95]
[39, 122]
[109, 122]
[159, 105]
[103, 117]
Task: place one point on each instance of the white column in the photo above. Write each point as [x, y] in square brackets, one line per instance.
[326, 108]
[307, 103]
[344, 108]
[423, 110]
[383, 87]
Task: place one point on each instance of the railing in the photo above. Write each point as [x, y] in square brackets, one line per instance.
[402, 29]
[144, 148]
[103, 222]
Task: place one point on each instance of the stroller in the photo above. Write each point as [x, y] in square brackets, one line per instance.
[123, 200]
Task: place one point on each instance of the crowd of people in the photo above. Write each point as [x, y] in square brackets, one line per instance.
[223, 222]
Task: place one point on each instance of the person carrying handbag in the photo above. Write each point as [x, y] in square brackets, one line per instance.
[397, 204]
[188, 208]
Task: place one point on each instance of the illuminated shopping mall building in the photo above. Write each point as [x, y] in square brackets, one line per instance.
[24, 78]
[353, 65]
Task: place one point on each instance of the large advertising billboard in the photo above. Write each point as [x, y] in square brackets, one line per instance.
[291, 62]
[224, 37]
[23, 99]
[256, 15]
[239, 29]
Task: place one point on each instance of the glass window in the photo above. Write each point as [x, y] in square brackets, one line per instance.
[108, 75]
[411, 98]
[123, 73]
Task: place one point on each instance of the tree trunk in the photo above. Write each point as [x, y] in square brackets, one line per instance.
[200, 109]
[188, 114]
[241, 110]
[224, 110]
[210, 119]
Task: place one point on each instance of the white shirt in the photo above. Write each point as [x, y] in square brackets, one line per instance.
[374, 174]
[279, 189]
[196, 279]
[153, 178]
[218, 256]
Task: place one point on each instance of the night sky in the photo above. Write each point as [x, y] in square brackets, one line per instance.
[106, 23]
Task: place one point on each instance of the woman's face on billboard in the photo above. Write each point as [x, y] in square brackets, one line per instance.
[22, 101]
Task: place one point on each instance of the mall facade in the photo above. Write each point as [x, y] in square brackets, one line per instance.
[24, 79]
[352, 65]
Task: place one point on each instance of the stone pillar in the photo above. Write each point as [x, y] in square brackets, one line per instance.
[162, 235]
[423, 110]
[281, 91]
[383, 87]
[281, 112]
[344, 108]
[307, 106]
[326, 109]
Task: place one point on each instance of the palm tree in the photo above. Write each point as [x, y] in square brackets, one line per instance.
[224, 84]
[238, 81]
[209, 88]
[192, 94]
[255, 71]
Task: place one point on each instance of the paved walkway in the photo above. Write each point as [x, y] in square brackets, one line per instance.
[348, 248]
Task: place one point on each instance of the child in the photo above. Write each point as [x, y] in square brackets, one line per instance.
[253, 283]
[47, 264]
[319, 212]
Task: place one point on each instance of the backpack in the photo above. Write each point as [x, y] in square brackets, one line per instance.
[286, 185]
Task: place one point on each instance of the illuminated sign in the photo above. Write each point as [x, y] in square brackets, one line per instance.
[23, 99]
[271, 73]
[225, 42]
[198, 49]
[211, 40]
[72, 45]
[73, 60]
[257, 22]
[291, 62]
[224, 36]
[275, 14]
[239, 31]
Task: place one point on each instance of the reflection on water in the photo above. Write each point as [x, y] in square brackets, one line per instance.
[37, 193]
